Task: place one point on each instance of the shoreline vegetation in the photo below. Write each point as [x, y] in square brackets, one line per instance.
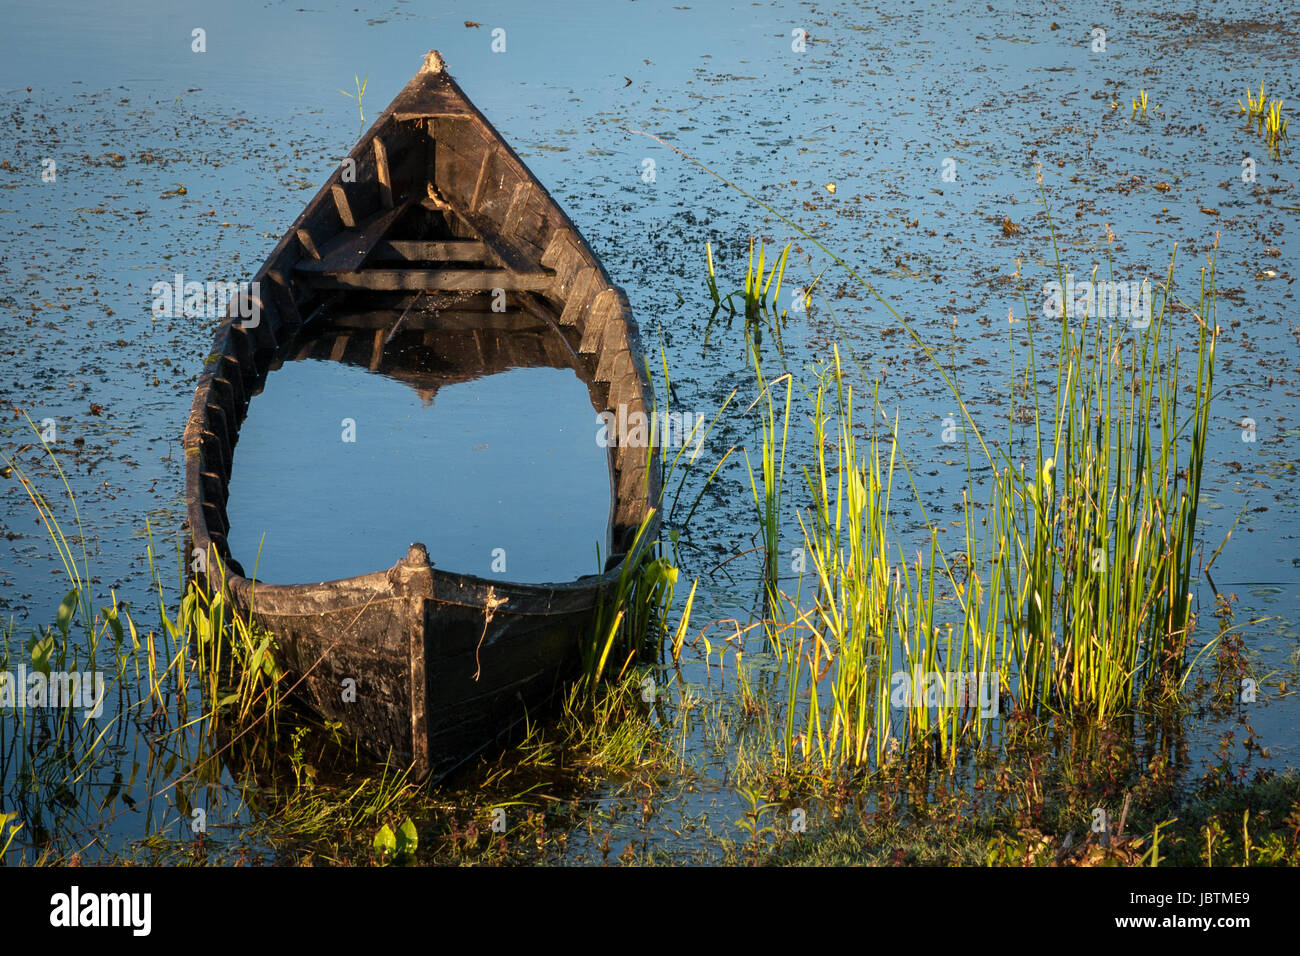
[1016, 698]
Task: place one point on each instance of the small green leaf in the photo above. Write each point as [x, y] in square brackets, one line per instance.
[110, 615]
[65, 611]
[408, 838]
[41, 649]
[385, 840]
[255, 664]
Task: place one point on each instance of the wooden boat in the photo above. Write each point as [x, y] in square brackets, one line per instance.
[430, 222]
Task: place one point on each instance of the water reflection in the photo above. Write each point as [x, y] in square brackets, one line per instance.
[470, 432]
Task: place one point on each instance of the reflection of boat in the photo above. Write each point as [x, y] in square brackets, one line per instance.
[403, 261]
[431, 349]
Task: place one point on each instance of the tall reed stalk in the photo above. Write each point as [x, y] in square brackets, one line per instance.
[767, 500]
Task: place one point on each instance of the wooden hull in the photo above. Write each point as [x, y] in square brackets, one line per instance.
[440, 226]
[393, 657]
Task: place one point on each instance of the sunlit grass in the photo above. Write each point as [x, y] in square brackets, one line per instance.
[1266, 116]
[1071, 589]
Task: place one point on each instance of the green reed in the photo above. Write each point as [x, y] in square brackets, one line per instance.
[768, 499]
[1266, 116]
[631, 614]
[863, 648]
[1071, 589]
[360, 92]
[1103, 532]
[176, 678]
[80, 599]
[760, 282]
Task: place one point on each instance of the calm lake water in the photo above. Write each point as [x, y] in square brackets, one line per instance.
[903, 135]
[339, 468]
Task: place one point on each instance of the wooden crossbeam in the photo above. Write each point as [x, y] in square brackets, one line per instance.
[432, 280]
[443, 250]
[449, 320]
[497, 243]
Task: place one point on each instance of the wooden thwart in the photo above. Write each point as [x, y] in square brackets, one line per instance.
[441, 250]
[497, 242]
[431, 280]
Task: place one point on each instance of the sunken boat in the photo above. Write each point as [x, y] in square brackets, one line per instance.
[431, 242]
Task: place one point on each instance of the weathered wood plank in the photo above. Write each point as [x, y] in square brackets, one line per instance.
[593, 328]
[461, 145]
[498, 243]
[282, 298]
[339, 347]
[397, 280]
[568, 265]
[382, 174]
[523, 193]
[586, 285]
[436, 98]
[308, 243]
[349, 249]
[443, 250]
[430, 154]
[514, 322]
[557, 250]
[341, 204]
[484, 176]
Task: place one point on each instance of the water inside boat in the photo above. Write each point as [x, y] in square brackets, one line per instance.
[476, 440]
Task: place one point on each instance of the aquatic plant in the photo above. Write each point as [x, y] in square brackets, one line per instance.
[631, 616]
[767, 500]
[1275, 126]
[1266, 116]
[1254, 108]
[1140, 105]
[1072, 591]
[80, 599]
[360, 86]
[758, 283]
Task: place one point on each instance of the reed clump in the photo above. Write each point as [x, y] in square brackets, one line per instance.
[1071, 588]
[1266, 116]
[759, 282]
